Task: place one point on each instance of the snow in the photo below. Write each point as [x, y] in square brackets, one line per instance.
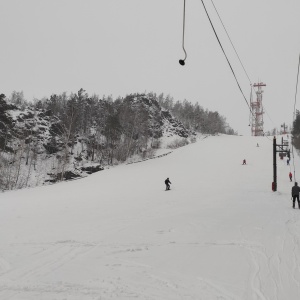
[220, 233]
[14, 113]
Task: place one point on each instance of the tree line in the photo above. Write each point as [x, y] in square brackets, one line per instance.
[64, 131]
[194, 117]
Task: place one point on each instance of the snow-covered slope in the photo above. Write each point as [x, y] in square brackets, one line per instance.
[220, 233]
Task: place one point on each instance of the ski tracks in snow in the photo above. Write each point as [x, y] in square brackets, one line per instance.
[52, 257]
[276, 270]
[272, 270]
[4, 265]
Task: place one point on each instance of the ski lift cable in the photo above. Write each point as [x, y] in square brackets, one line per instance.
[294, 115]
[265, 135]
[231, 42]
[269, 116]
[246, 73]
[238, 84]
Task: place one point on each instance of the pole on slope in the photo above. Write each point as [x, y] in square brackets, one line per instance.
[274, 183]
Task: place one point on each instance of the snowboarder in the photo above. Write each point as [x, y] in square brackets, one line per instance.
[167, 183]
[295, 194]
[291, 176]
[244, 162]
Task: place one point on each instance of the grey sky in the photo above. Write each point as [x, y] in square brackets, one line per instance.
[125, 46]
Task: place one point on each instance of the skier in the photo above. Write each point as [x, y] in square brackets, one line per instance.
[167, 183]
[288, 162]
[295, 194]
[244, 162]
[291, 176]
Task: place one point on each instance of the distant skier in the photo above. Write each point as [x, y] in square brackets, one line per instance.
[291, 176]
[244, 162]
[288, 162]
[257, 145]
[167, 183]
[295, 194]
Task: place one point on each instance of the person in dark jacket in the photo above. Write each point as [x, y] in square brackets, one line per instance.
[167, 183]
[295, 194]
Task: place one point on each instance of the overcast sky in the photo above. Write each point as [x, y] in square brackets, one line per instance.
[117, 47]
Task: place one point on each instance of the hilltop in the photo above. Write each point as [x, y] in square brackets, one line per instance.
[67, 137]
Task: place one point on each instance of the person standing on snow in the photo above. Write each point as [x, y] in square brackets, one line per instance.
[295, 194]
[291, 176]
[244, 162]
[167, 183]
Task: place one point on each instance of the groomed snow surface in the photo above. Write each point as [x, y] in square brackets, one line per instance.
[220, 233]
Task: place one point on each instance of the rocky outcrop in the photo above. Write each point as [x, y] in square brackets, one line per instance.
[161, 122]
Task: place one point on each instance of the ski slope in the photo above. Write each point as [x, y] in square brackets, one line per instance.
[220, 233]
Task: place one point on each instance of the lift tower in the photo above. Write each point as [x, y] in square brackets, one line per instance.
[257, 122]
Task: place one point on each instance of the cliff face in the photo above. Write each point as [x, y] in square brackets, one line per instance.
[161, 122]
[33, 126]
[44, 129]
